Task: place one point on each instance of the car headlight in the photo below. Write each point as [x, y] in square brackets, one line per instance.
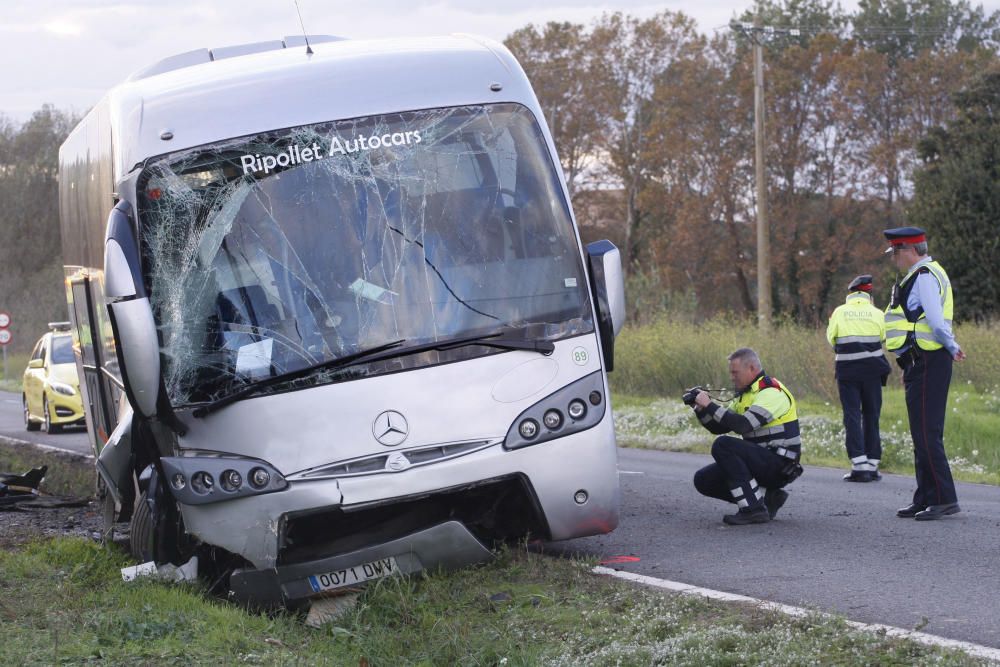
[61, 388]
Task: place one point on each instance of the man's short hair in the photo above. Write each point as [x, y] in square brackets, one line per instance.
[746, 356]
[921, 248]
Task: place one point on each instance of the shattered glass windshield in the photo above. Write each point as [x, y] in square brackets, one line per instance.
[282, 251]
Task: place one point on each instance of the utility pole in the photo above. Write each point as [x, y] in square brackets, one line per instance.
[757, 33]
[764, 308]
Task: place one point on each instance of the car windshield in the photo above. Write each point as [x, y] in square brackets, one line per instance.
[62, 350]
[277, 252]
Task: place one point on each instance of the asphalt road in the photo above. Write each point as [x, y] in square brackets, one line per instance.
[12, 426]
[834, 546]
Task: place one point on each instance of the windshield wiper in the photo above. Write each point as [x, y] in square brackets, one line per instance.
[332, 364]
[495, 339]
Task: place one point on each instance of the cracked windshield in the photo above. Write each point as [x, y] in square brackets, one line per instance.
[280, 252]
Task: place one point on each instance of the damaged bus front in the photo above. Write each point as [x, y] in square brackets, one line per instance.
[364, 344]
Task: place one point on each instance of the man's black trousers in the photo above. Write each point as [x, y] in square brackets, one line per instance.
[862, 404]
[926, 378]
[740, 469]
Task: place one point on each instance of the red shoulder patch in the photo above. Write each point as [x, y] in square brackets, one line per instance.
[768, 383]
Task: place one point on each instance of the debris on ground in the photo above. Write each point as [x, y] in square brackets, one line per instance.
[16, 488]
[166, 572]
[19, 491]
[329, 609]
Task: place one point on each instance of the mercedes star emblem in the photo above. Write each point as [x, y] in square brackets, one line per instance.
[390, 428]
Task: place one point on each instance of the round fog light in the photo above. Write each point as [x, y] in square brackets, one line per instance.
[259, 478]
[595, 398]
[178, 481]
[553, 419]
[231, 480]
[577, 408]
[580, 497]
[528, 429]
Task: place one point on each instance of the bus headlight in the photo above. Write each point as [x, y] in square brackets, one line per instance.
[576, 409]
[549, 412]
[231, 480]
[553, 419]
[197, 480]
[259, 478]
[528, 429]
[202, 482]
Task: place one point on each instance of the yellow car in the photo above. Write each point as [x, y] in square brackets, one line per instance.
[51, 395]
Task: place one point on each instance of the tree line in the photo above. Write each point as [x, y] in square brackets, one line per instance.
[31, 268]
[654, 120]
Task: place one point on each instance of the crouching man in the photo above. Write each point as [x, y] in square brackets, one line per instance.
[750, 471]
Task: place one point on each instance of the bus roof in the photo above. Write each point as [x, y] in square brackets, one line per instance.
[284, 87]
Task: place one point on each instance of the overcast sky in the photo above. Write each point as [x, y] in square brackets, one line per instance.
[69, 52]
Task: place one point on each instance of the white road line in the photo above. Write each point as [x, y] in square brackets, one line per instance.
[977, 650]
[630, 472]
[7, 440]
[61, 450]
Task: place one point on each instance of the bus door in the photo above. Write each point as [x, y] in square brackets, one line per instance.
[100, 391]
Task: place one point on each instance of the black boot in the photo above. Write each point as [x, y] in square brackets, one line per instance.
[934, 512]
[774, 499]
[748, 515]
[910, 511]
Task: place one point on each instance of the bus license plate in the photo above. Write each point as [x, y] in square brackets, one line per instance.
[356, 574]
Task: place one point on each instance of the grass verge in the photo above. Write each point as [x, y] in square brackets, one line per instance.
[16, 364]
[63, 602]
[68, 474]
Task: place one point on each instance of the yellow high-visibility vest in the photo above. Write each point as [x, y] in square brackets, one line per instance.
[856, 329]
[781, 432]
[900, 326]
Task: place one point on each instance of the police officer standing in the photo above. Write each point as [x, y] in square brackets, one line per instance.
[918, 331]
[750, 471]
[856, 332]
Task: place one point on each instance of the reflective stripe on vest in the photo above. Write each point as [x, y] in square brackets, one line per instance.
[898, 328]
[781, 432]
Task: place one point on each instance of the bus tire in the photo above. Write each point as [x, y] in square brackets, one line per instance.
[140, 538]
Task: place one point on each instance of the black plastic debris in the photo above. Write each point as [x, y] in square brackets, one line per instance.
[16, 488]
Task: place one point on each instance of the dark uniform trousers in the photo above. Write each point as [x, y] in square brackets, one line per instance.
[862, 403]
[737, 461]
[926, 377]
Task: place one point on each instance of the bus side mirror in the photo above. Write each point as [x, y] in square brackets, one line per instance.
[604, 266]
[136, 342]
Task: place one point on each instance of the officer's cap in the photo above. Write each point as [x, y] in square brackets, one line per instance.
[903, 236]
[861, 284]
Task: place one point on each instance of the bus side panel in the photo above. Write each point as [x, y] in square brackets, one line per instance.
[86, 195]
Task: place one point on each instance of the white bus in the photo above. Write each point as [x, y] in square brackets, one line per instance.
[339, 321]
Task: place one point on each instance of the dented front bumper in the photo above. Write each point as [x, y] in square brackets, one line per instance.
[447, 546]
